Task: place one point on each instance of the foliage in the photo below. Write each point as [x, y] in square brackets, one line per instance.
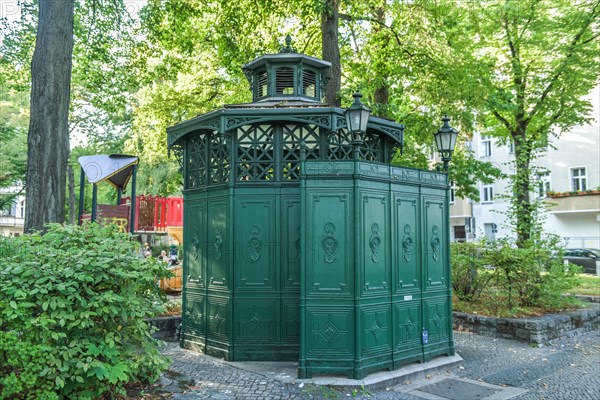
[105, 73]
[469, 275]
[508, 277]
[72, 309]
[191, 71]
[493, 66]
[466, 171]
[13, 137]
[590, 286]
[192, 63]
[514, 70]
[525, 68]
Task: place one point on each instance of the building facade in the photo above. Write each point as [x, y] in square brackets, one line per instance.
[567, 179]
[12, 217]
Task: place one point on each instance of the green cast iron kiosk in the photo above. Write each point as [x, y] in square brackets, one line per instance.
[304, 244]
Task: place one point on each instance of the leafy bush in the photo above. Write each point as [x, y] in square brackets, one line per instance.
[72, 310]
[534, 275]
[469, 277]
[508, 276]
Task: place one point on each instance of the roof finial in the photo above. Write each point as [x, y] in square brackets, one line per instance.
[288, 46]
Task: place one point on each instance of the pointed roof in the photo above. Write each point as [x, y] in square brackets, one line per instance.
[116, 169]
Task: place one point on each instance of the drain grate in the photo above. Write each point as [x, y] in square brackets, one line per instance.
[458, 390]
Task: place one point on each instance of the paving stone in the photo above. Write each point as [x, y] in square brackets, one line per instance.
[568, 368]
[458, 390]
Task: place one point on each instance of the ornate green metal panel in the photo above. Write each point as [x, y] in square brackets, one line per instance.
[194, 273]
[407, 273]
[407, 330]
[373, 304]
[436, 277]
[290, 252]
[218, 252]
[219, 275]
[375, 271]
[328, 279]
[289, 261]
[256, 288]
[374, 221]
[437, 309]
[254, 237]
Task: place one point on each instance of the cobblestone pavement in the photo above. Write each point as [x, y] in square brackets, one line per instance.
[563, 369]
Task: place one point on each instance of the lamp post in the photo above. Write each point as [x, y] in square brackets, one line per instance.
[445, 140]
[357, 118]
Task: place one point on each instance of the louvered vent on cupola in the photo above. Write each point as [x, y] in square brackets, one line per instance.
[287, 76]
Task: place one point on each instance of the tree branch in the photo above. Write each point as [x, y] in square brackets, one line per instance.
[529, 19]
[517, 70]
[504, 121]
[350, 18]
[561, 68]
[308, 40]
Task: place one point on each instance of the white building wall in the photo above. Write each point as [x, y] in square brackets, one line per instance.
[580, 147]
[12, 220]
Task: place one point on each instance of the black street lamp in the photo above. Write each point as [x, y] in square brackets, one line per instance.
[357, 118]
[445, 140]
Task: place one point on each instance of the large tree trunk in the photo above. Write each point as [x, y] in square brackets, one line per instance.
[381, 95]
[331, 52]
[48, 140]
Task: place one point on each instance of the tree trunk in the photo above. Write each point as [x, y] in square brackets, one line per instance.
[48, 140]
[522, 187]
[331, 52]
[381, 96]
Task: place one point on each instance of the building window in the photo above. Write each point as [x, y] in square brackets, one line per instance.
[487, 193]
[578, 179]
[460, 233]
[486, 146]
[452, 188]
[543, 184]
[511, 146]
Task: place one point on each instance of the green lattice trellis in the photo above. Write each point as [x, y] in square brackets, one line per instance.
[271, 152]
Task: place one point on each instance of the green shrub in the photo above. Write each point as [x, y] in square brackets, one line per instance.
[534, 275]
[508, 276]
[72, 310]
[469, 276]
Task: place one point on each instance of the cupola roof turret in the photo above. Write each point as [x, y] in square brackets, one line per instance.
[287, 76]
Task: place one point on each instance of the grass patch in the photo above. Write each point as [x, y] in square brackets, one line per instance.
[495, 306]
[590, 286]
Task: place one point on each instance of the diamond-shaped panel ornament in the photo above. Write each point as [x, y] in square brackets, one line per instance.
[329, 332]
[254, 321]
[376, 329]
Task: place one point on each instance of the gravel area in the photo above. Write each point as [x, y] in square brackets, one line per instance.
[562, 369]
